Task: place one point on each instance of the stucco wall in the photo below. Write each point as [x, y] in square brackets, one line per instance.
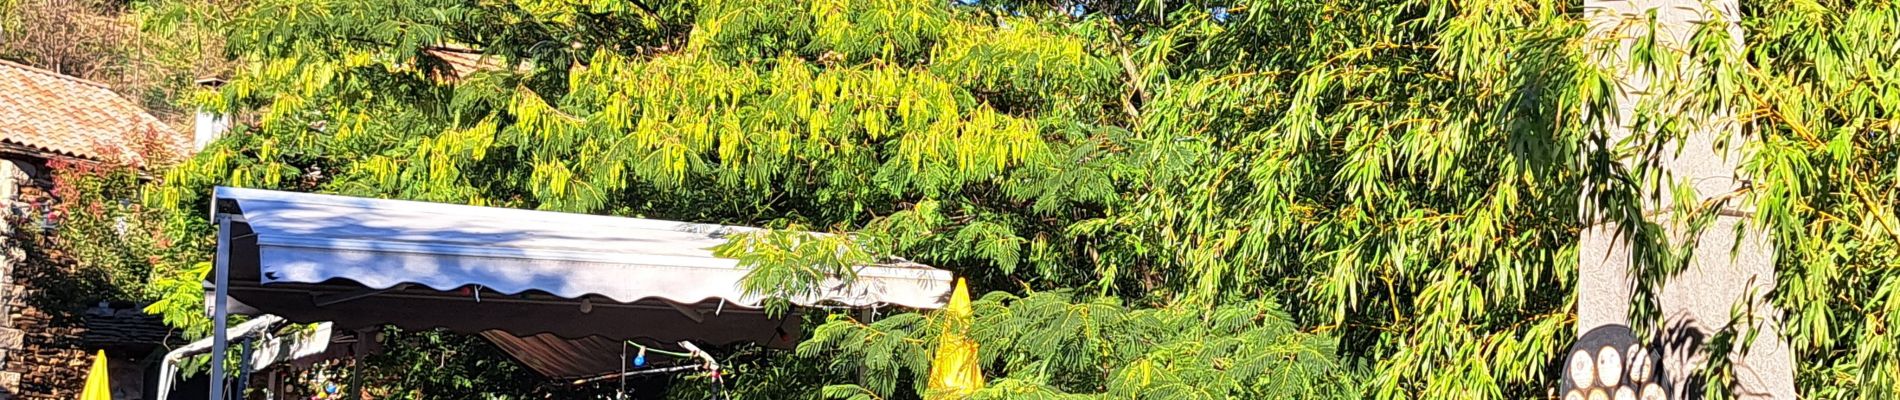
[1732, 267]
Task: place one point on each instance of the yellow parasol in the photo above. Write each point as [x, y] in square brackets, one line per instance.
[98, 383]
[954, 372]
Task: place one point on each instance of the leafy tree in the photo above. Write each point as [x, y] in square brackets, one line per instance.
[1406, 176]
[1055, 345]
[946, 133]
[1406, 171]
[1818, 86]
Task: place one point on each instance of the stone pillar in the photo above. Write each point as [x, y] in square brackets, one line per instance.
[1728, 269]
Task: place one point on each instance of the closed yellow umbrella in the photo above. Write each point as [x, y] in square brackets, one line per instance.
[954, 372]
[98, 383]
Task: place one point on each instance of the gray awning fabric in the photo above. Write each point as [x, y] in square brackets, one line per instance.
[560, 358]
[362, 262]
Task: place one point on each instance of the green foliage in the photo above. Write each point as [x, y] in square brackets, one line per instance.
[89, 238]
[1056, 345]
[1405, 172]
[790, 135]
[1405, 176]
[785, 265]
[93, 201]
[1819, 84]
[753, 372]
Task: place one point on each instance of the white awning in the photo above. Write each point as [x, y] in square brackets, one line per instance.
[364, 262]
[311, 238]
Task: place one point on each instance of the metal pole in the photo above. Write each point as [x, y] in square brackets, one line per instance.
[622, 394]
[363, 336]
[612, 375]
[246, 347]
[221, 281]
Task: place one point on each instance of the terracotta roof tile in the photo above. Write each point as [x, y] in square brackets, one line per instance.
[56, 114]
[463, 61]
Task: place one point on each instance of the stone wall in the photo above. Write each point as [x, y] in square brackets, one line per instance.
[52, 363]
[51, 319]
[46, 346]
[44, 358]
[13, 177]
[57, 350]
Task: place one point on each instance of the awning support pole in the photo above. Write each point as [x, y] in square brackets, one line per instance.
[356, 369]
[363, 336]
[221, 279]
[622, 394]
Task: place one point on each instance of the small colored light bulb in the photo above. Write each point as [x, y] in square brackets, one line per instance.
[639, 361]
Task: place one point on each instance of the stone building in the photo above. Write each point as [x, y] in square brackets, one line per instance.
[47, 118]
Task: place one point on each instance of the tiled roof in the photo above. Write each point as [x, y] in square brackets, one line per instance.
[53, 114]
[124, 326]
[463, 62]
